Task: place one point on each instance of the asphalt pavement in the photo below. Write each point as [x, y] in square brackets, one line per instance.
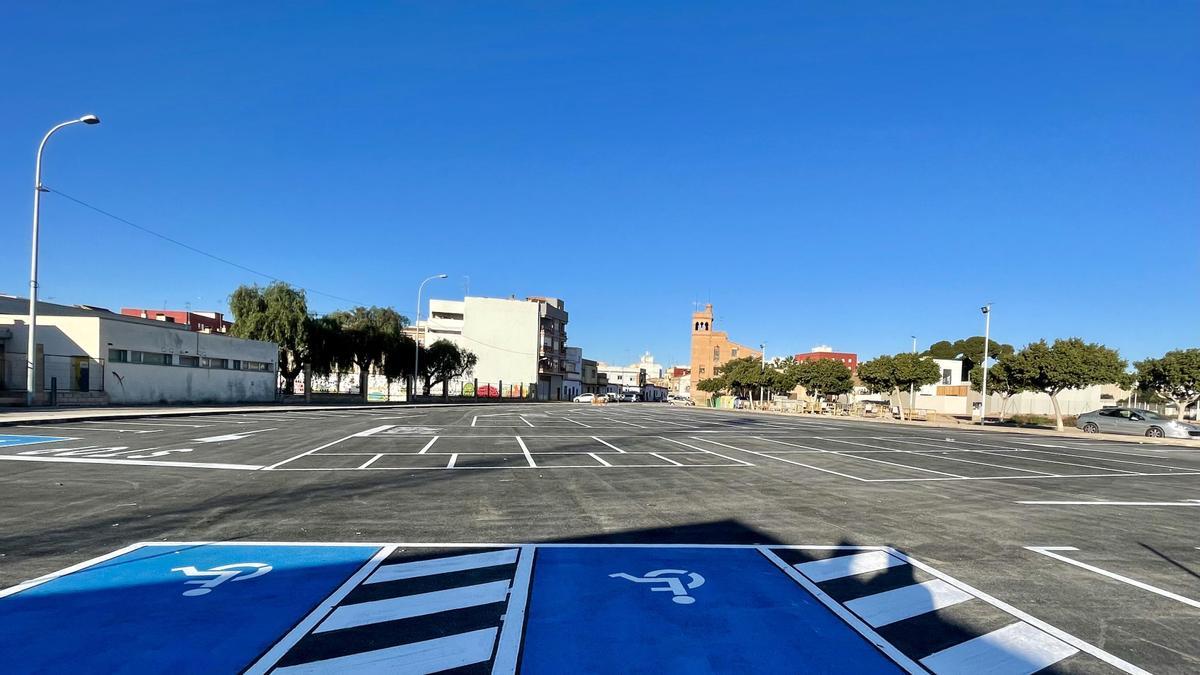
[1089, 546]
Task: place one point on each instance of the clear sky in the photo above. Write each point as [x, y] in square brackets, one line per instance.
[840, 173]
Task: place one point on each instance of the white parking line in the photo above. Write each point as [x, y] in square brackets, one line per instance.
[428, 445]
[527, 422]
[600, 459]
[608, 444]
[528, 457]
[1050, 552]
[371, 461]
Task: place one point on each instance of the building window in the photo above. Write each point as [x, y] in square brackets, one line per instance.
[256, 366]
[118, 356]
[150, 358]
[946, 374]
[216, 364]
[237, 364]
[716, 353]
[189, 361]
[733, 353]
[701, 370]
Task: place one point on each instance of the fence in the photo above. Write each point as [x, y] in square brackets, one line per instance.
[381, 389]
[61, 372]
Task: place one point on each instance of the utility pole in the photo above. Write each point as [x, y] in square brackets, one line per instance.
[912, 395]
[987, 332]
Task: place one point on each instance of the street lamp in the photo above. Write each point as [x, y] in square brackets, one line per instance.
[987, 331]
[416, 343]
[912, 396]
[30, 356]
[762, 369]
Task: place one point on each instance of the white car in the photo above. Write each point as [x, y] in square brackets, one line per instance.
[681, 400]
[584, 398]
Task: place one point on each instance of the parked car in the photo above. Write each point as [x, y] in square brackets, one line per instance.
[680, 400]
[1135, 421]
[630, 397]
[612, 397]
[585, 398]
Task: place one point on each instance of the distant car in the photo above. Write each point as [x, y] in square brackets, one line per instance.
[612, 397]
[680, 400]
[584, 398]
[1135, 421]
[740, 402]
[630, 397]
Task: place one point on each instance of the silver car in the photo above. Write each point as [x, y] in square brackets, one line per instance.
[1135, 421]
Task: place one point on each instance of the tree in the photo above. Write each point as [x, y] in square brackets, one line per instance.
[712, 385]
[1067, 364]
[824, 377]
[443, 361]
[890, 374]
[970, 350]
[279, 314]
[743, 376]
[368, 332]
[1175, 376]
[1000, 381]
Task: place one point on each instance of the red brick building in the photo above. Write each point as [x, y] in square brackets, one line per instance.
[201, 322]
[851, 360]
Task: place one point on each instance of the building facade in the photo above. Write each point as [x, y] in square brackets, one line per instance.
[573, 373]
[623, 378]
[94, 356]
[826, 352]
[710, 349]
[201, 322]
[521, 344]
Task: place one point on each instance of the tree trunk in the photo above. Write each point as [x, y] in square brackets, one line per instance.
[308, 383]
[900, 398]
[1057, 413]
[1003, 405]
[362, 382]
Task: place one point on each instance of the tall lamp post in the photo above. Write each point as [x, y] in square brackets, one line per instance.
[987, 332]
[762, 370]
[30, 355]
[912, 393]
[417, 343]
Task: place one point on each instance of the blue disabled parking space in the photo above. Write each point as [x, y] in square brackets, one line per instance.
[682, 610]
[204, 608]
[10, 440]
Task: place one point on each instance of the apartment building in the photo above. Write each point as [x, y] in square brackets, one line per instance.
[201, 322]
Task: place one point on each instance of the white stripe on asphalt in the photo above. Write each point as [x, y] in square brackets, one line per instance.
[904, 603]
[1016, 649]
[404, 607]
[458, 563]
[430, 656]
[848, 565]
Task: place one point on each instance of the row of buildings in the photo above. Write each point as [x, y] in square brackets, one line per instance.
[951, 395]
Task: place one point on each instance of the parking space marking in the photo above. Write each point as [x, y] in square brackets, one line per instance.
[1025, 456]
[367, 464]
[601, 440]
[1015, 649]
[152, 424]
[133, 462]
[1189, 502]
[598, 458]
[527, 422]
[524, 449]
[1052, 552]
[428, 445]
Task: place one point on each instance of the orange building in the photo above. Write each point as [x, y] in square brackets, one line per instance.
[710, 349]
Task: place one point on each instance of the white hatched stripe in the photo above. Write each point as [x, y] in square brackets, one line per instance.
[391, 609]
[423, 568]
[1016, 649]
[904, 603]
[848, 565]
[430, 656]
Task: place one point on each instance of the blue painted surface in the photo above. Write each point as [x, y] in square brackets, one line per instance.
[9, 440]
[748, 617]
[129, 614]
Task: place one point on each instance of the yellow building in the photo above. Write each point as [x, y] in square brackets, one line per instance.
[710, 349]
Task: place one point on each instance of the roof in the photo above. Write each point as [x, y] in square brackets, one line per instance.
[13, 305]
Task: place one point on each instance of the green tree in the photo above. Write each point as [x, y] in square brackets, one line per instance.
[824, 377]
[743, 376]
[366, 335]
[1175, 377]
[1067, 364]
[1000, 381]
[891, 374]
[279, 314]
[970, 350]
[713, 385]
[443, 361]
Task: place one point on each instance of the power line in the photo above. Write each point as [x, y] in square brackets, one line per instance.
[193, 249]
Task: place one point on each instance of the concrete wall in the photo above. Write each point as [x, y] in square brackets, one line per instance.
[504, 335]
[142, 383]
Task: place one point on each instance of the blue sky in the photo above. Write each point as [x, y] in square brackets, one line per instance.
[839, 173]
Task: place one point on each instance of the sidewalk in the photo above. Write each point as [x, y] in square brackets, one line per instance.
[1072, 433]
[11, 417]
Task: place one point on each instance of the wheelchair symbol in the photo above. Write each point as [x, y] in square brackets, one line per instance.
[673, 583]
[219, 575]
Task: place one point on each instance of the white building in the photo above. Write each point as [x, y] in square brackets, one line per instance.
[652, 369]
[91, 355]
[623, 378]
[521, 344]
[573, 373]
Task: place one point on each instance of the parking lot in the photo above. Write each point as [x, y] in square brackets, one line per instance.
[1085, 551]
